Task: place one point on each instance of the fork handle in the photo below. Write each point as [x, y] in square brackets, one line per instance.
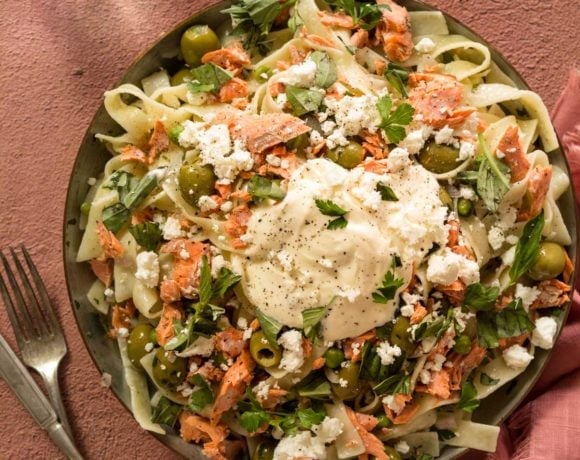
[63, 441]
[50, 377]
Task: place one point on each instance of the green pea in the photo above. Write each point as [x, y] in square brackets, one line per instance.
[263, 352]
[384, 422]
[181, 76]
[85, 208]
[334, 357]
[166, 373]
[348, 376]
[462, 345]
[174, 131]
[347, 156]
[392, 453]
[400, 335]
[549, 263]
[264, 451]
[438, 158]
[445, 198]
[196, 41]
[464, 207]
[195, 180]
[138, 340]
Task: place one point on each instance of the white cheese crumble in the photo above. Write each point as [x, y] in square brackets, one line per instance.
[497, 233]
[398, 160]
[391, 402]
[527, 294]
[466, 151]
[544, 333]
[217, 263]
[148, 268]
[445, 267]
[91, 181]
[415, 140]
[329, 429]
[402, 447]
[445, 136]
[425, 376]
[206, 203]
[273, 160]
[425, 45]
[293, 354]
[261, 390]
[388, 353]
[304, 444]
[172, 229]
[354, 113]
[302, 74]
[517, 357]
[123, 332]
[407, 310]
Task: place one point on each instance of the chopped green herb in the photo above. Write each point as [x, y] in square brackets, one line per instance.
[432, 329]
[303, 100]
[115, 216]
[468, 401]
[338, 223]
[317, 389]
[202, 396]
[295, 22]
[393, 122]
[485, 379]
[367, 15]
[270, 327]
[395, 384]
[311, 318]
[480, 297]
[166, 412]
[122, 181]
[513, 320]
[325, 74]
[262, 188]
[309, 417]
[252, 420]
[145, 186]
[329, 208]
[528, 247]
[388, 289]
[226, 279]
[486, 330]
[147, 234]
[397, 76]
[208, 78]
[492, 183]
[386, 192]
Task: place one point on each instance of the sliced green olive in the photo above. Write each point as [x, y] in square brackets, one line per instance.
[264, 451]
[181, 76]
[334, 357]
[462, 345]
[348, 386]
[196, 180]
[438, 158]
[137, 343]
[347, 156]
[464, 207]
[196, 41]
[400, 334]
[392, 453]
[263, 352]
[169, 372]
[550, 262]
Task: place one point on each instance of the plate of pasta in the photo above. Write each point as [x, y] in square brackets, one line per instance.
[300, 229]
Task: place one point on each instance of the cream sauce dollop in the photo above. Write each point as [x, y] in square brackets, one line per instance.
[294, 262]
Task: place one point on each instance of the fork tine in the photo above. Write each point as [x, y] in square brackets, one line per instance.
[25, 324]
[11, 312]
[34, 308]
[41, 291]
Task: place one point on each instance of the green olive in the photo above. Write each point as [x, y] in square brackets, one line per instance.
[462, 345]
[85, 208]
[438, 158]
[196, 41]
[166, 373]
[263, 352]
[348, 377]
[549, 263]
[195, 180]
[334, 357]
[392, 453]
[401, 336]
[182, 75]
[347, 156]
[464, 207]
[138, 340]
[445, 198]
[264, 451]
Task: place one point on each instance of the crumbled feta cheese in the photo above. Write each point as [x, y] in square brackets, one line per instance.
[246, 238]
[149, 347]
[273, 160]
[466, 192]
[407, 310]
[172, 229]
[497, 233]
[293, 354]
[123, 332]
[527, 294]
[328, 430]
[436, 364]
[261, 390]
[425, 45]
[398, 160]
[247, 333]
[466, 151]
[425, 376]
[109, 293]
[91, 181]
[388, 353]
[217, 263]
[336, 138]
[206, 203]
[415, 140]
[461, 318]
[499, 154]
[445, 136]
[391, 402]
[402, 447]
[445, 267]
[285, 260]
[201, 347]
[355, 113]
[148, 268]
[189, 135]
[343, 383]
[226, 206]
[544, 333]
[517, 357]
[302, 74]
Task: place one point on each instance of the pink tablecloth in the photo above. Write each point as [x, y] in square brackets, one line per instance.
[56, 59]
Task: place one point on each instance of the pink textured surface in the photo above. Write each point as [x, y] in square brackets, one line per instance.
[57, 58]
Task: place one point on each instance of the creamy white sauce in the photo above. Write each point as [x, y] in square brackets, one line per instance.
[294, 262]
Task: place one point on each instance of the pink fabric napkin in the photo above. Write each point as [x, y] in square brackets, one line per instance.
[547, 425]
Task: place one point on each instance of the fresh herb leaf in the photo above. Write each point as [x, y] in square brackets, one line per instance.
[226, 279]
[329, 208]
[270, 327]
[309, 417]
[513, 320]
[398, 77]
[485, 379]
[325, 74]
[317, 389]
[492, 183]
[445, 435]
[202, 396]
[261, 188]
[166, 412]
[393, 121]
[338, 223]
[386, 192]
[366, 15]
[487, 330]
[115, 216]
[145, 186]
[147, 235]
[295, 22]
[528, 247]
[388, 289]
[432, 329]
[395, 384]
[311, 318]
[181, 335]
[208, 78]
[480, 297]
[468, 401]
[303, 100]
[252, 420]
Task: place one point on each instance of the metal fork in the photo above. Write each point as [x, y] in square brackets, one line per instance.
[36, 328]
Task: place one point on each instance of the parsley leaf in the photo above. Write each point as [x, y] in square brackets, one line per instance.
[309, 417]
[122, 181]
[147, 235]
[367, 15]
[208, 78]
[252, 420]
[226, 279]
[270, 327]
[486, 330]
[386, 192]
[485, 379]
[395, 384]
[143, 188]
[329, 208]
[513, 320]
[393, 121]
[311, 318]
[339, 222]
[397, 76]
[388, 289]
[528, 247]
[317, 389]
[202, 396]
[480, 297]
[432, 329]
[115, 216]
[166, 412]
[468, 401]
[262, 187]
[303, 100]
[325, 74]
[492, 183]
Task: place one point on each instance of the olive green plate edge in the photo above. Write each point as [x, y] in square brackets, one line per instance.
[90, 162]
